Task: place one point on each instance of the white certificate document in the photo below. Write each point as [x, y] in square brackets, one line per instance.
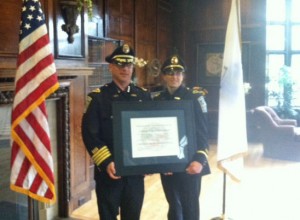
[153, 137]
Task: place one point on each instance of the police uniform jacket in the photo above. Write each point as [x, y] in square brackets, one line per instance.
[200, 109]
[97, 124]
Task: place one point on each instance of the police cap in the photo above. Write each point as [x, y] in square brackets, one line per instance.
[173, 63]
[121, 55]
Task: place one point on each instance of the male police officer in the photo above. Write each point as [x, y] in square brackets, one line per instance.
[113, 192]
[182, 190]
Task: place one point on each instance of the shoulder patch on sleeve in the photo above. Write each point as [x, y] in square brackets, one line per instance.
[199, 90]
[203, 104]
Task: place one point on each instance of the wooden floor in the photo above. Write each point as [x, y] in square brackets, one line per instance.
[269, 190]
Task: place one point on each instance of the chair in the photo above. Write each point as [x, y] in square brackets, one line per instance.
[278, 120]
[280, 137]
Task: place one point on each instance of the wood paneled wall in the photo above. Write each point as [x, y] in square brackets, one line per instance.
[8, 46]
[145, 25]
[153, 28]
[120, 20]
[153, 31]
[204, 23]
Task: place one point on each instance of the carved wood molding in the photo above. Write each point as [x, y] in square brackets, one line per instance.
[63, 147]
[6, 93]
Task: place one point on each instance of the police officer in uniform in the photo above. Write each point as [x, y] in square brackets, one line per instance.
[182, 190]
[113, 192]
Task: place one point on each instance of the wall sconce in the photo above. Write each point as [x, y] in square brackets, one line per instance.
[69, 12]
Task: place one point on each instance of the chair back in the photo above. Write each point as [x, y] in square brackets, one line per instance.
[264, 119]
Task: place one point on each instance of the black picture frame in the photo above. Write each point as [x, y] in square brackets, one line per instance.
[204, 53]
[125, 113]
[215, 51]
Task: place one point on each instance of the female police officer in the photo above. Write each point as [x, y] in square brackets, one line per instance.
[182, 190]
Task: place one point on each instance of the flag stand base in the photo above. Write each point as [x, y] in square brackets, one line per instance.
[223, 217]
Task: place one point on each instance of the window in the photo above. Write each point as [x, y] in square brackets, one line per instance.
[283, 53]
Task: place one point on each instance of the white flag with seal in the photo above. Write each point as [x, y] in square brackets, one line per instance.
[232, 132]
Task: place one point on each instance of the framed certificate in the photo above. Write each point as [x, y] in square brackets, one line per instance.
[153, 136]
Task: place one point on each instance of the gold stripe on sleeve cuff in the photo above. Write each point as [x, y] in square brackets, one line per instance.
[100, 155]
[202, 152]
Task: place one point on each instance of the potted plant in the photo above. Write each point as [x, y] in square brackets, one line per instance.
[88, 4]
[285, 94]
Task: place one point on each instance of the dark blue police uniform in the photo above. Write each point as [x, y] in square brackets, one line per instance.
[182, 190]
[97, 132]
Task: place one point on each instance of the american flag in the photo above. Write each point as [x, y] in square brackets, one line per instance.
[36, 79]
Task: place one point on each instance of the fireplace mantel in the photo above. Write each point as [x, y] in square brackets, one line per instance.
[62, 72]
